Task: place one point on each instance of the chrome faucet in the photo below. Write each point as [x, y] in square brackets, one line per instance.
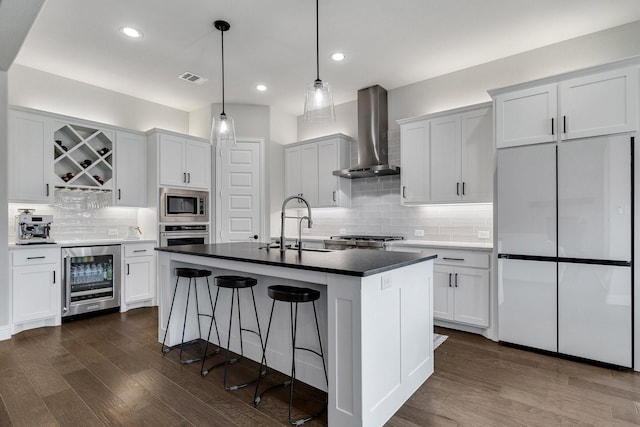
[283, 246]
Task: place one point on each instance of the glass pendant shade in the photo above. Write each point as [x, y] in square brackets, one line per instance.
[318, 103]
[223, 131]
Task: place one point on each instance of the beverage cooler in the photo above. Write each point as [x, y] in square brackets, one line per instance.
[91, 279]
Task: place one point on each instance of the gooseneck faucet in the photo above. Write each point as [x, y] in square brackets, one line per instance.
[283, 246]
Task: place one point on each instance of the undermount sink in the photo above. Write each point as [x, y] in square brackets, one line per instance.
[293, 248]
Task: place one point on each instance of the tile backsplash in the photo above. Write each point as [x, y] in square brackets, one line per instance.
[376, 209]
[76, 224]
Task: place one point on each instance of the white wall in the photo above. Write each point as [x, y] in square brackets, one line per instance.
[4, 242]
[470, 86]
[44, 91]
[200, 122]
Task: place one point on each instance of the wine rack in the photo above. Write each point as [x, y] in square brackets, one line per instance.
[83, 157]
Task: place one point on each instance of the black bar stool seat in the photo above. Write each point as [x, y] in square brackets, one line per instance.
[192, 274]
[235, 283]
[293, 295]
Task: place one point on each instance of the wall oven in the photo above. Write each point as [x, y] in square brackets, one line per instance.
[179, 234]
[181, 205]
[90, 279]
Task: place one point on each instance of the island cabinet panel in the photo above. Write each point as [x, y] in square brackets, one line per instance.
[376, 322]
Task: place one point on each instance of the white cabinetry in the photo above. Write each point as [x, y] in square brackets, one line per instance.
[30, 158]
[183, 161]
[35, 288]
[448, 157]
[589, 105]
[309, 167]
[139, 284]
[131, 170]
[461, 285]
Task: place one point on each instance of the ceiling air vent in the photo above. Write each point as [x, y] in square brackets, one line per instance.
[193, 78]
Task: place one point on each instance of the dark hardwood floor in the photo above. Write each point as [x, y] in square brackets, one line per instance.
[108, 370]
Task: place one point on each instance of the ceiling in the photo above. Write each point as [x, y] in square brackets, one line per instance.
[273, 42]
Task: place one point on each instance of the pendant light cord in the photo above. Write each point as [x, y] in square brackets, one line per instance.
[317, 43]
[222, 34]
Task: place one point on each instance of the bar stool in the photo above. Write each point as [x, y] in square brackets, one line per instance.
[292, 295]
[235, 283]
[192, 274]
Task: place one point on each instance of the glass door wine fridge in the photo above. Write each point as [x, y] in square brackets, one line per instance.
[91, 279]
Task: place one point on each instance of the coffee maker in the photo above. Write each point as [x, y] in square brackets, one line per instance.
[33, 229]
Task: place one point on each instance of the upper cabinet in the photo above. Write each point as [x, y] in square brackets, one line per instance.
[30, 158]
[447, 157]
[48, 151]
[183, 161]
[589, 105]
[131, 173]
[309, 167]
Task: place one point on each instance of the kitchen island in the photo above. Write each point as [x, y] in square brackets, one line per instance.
[375, 315]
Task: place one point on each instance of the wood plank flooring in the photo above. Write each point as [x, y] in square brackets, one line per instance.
[108, 370]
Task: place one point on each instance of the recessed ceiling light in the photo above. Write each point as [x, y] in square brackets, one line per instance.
[131, 32]
[261, 87]
[338, 56]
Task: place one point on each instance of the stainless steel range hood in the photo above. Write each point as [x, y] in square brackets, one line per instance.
[372, 136]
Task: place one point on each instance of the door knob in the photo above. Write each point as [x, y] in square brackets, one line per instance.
[255, 237]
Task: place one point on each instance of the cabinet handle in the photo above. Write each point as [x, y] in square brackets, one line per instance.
[47, 190]
[456, 280]
[404, 195]
[449, 279]
[184, 177]
[553, 131]
[127, 269]
[457, 188]
[36, 257]
[334, 196]
[463, 185]
[119, 194]
[453, 259]
[54, 276]
[139, 250]
[564, 124]
[188, 177]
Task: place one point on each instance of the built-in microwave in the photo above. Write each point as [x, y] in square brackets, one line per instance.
[183, 205]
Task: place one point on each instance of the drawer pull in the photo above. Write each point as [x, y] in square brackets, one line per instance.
[453, 259]
[449, 279]
[139, 250]
[36, 257]
[456, 280]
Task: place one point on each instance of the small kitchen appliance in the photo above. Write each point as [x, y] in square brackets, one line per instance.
[180, 205]
[33, 229]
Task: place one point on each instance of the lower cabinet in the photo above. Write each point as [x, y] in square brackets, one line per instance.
[461, 284]
[35, 288]
[138, 284]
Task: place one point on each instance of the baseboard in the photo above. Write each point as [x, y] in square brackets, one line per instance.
[5, 332]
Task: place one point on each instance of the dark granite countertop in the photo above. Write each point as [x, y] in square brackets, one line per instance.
[351, 262]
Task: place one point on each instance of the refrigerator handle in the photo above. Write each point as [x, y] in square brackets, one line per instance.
[65, 279]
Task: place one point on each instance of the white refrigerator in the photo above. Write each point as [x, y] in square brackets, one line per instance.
[564, 245]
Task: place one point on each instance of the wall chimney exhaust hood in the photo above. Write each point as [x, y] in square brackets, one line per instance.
[372, 136]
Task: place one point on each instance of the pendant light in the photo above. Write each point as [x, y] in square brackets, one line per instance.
[223, 132]
[318, 102]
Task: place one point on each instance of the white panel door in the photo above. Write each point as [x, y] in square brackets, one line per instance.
[527, 303]
[600, 104]
[414, 158]
[527, 116]
[444, 168]
[594, 198]
[594, 312]
[443, 292]
[527, 200]
[198, 164]
[477, 155]
[239, 193]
